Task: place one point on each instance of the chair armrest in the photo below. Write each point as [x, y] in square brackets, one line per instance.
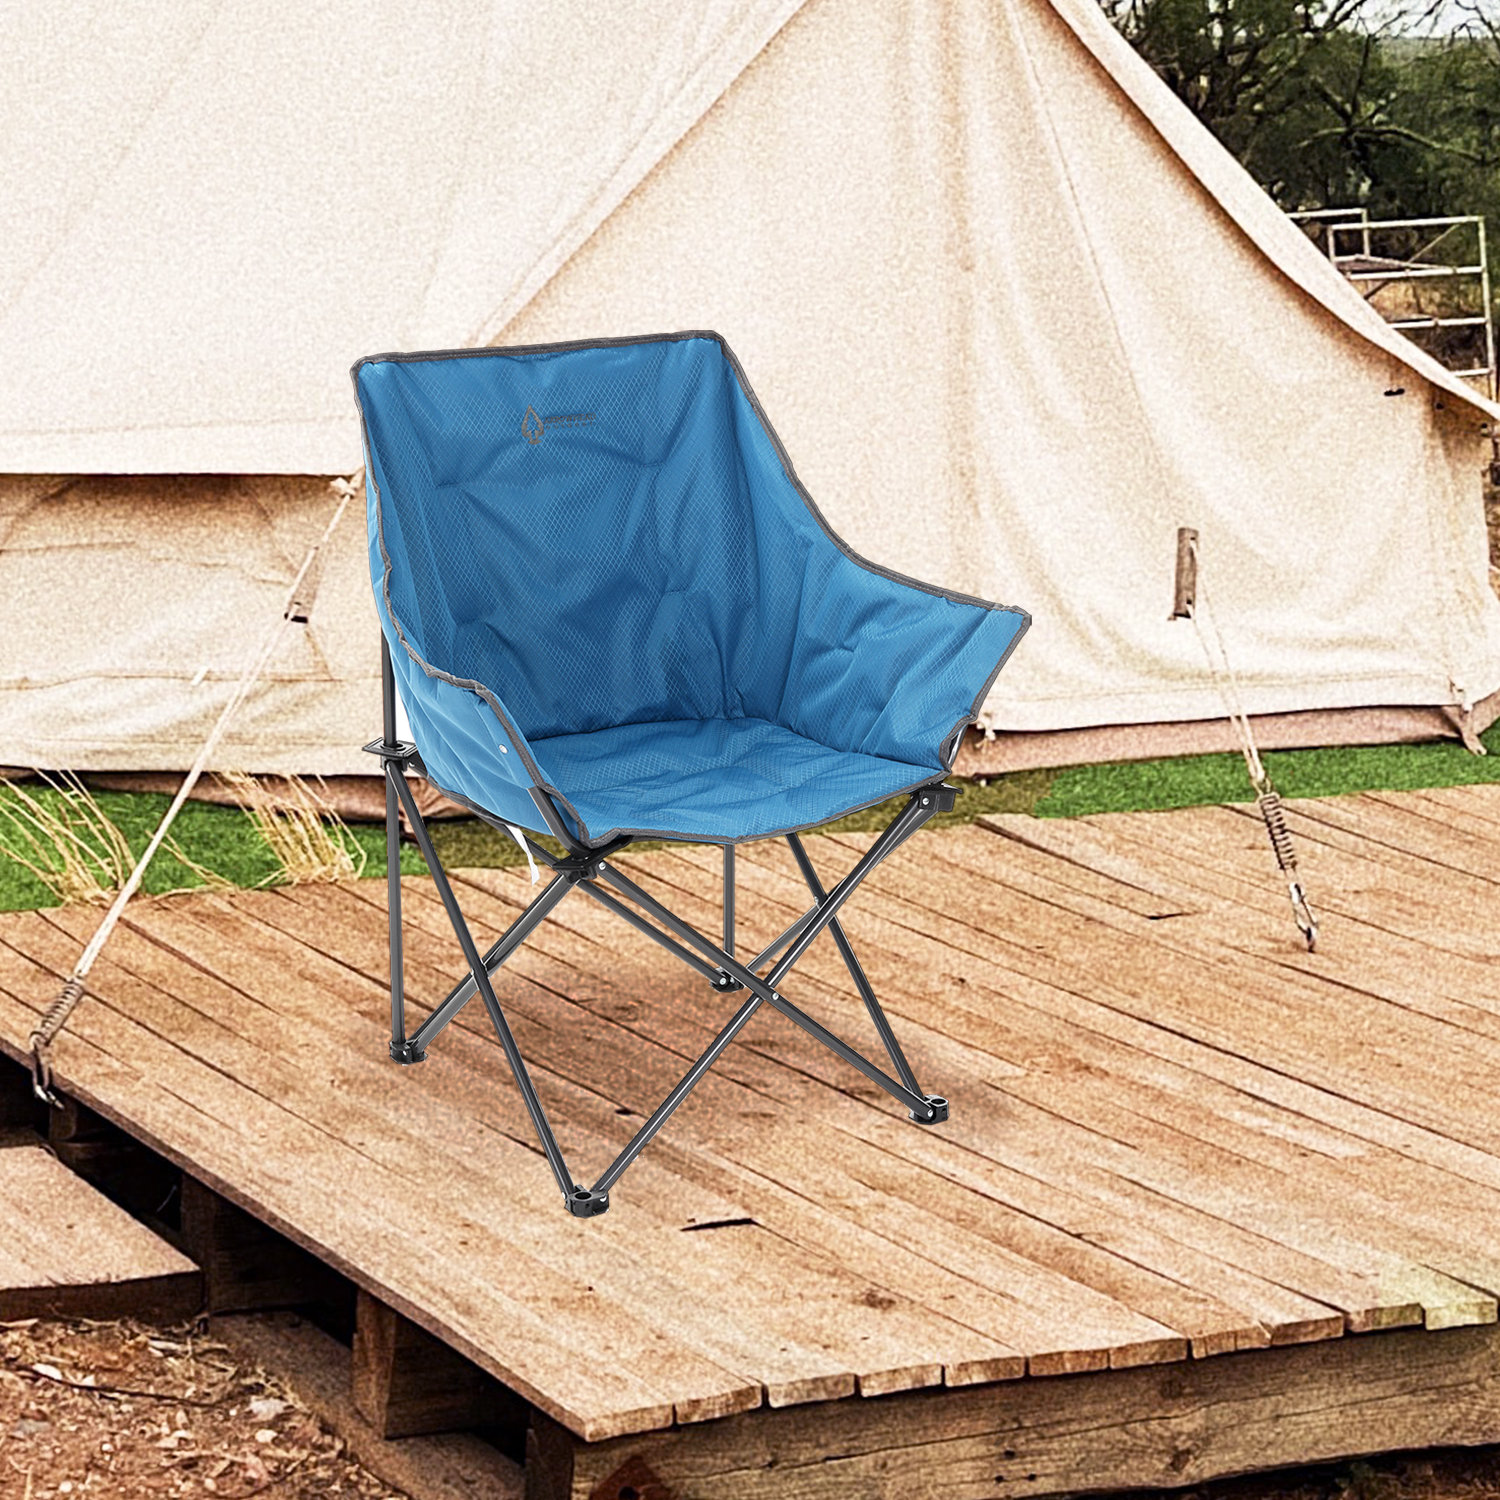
[469, 746]
[887, 666]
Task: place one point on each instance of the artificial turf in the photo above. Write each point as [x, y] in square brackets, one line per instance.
[224, 841]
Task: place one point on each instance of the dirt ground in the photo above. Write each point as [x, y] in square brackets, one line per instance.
[127, 1412]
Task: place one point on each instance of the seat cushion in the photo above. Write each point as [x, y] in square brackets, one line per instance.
[719, 780]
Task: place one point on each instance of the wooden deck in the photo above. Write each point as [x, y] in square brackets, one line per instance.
[1177, 1139]
[67, 1251]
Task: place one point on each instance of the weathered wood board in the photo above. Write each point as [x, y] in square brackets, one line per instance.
[1179, 1143]
[67, 1251]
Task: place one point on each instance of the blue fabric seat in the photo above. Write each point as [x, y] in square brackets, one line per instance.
[602, 584]
[718, 780]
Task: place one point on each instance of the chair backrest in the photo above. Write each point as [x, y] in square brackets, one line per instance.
[602, 534]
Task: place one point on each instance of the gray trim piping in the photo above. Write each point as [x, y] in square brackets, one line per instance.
[947, 747]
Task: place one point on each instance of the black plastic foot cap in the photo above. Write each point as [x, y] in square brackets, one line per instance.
[583, 1204]
[939, 1106]
[407, 1052]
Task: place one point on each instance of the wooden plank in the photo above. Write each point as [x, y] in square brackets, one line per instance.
[992, 1142]
[1360, 950]
[545, 1357]
[1118, 1169]
[1445, 1208]
[546, 1265]
[1374, 883]
[1263, 972]
[1283, 1085]
[1143, 1269]
[406, 1383]
[1393, 826]
[1405, 1141]
[1475, 807]
[1299, 1213]
[872, 1314]
[1147, 1428]
[1281, 1018]
[1380, 936]
[69, 1252]
[782, 1296]
[1250, 926]
[1365, 1296]
[450, 1466]
[1041, 1306]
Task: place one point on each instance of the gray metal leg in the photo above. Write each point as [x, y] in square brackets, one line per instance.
[514, 936]
[856, 972]
[481, 978]
[587, 869]
[400, 1050]
[922, 1107]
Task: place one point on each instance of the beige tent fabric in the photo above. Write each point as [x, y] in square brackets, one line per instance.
[1020, 343]
[213, 210]
[137, 602]
[1015, 313]
[1282, 242]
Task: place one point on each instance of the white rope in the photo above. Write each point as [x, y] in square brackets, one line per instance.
[525, 849]
[1267, 799]
[72, 991]
[1222, 672]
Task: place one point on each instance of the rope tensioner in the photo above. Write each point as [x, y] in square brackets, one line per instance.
[1268, 800]
[1187, 589]
[54, 1018]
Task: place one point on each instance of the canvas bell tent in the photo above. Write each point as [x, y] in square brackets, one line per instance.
[1018, 318]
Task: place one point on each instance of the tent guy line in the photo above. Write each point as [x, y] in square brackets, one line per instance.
[55, 1017]
[1192, 603]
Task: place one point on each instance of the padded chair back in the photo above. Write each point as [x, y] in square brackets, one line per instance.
[603, 535]
[578, 537]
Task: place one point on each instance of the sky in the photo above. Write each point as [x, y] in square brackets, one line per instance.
[1449, 16]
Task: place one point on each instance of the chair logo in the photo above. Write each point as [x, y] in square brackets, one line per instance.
[535, 427]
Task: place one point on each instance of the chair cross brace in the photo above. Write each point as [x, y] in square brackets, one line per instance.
[588, 870]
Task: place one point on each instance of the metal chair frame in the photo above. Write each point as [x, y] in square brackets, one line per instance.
[589, 871]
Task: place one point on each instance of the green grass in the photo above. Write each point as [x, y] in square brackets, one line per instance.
[1191, 781]
[224, 841]
[220, 839]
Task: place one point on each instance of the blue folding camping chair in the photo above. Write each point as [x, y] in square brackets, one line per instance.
[614, 613]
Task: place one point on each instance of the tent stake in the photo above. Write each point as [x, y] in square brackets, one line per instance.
[1185, 588]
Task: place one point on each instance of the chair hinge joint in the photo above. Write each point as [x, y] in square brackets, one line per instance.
[939, 796]
[584, 1203]
[402, 753]
[576, 867]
